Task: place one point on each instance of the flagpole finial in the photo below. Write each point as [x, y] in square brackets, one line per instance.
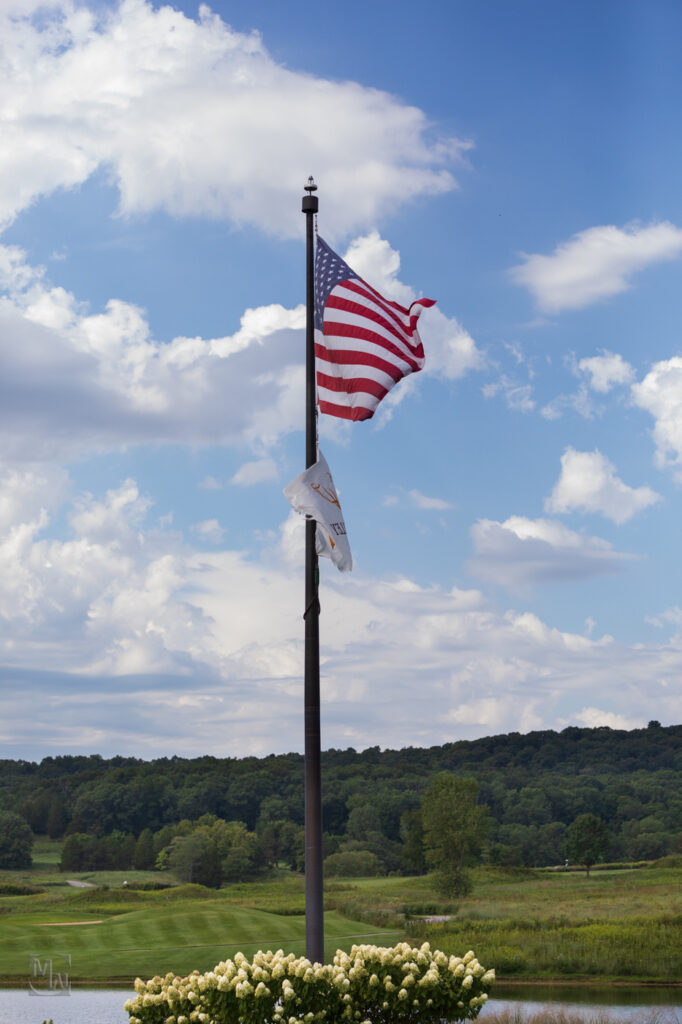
[310, 203]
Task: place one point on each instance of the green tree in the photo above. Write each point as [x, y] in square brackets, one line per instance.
[588, 840]
[117, 851]
[454, 830]
[74, 852]
[413, 860]
[550, 843]
[57, 818]
[164, 837]
[277, 840]
[240, 851]
[185, 855]
[35, 811]
[209, 870]
[16, 841]
[143, 856]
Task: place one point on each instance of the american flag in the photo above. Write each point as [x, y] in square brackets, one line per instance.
[364, 344]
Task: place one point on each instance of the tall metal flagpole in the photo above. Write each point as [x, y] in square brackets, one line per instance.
[314, 908]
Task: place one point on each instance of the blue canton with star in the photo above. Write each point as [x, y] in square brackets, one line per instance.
[330, 270]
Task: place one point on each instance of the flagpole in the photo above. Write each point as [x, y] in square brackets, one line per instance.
[314, 907]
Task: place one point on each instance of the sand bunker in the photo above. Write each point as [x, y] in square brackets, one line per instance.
[61, 924]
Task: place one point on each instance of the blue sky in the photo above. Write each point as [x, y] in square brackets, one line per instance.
[513, 510]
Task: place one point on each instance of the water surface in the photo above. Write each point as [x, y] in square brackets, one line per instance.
[627, 1003]
[105, 1006]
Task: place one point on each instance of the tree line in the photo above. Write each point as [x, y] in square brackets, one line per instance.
[534, 787]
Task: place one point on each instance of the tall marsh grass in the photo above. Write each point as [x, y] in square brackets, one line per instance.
[629, 949]
[558, 1015]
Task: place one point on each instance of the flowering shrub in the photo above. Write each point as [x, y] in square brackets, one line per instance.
[373, 985]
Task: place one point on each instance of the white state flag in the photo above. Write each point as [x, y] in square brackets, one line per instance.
[313, 494]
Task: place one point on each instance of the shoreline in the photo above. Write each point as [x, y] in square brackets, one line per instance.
[589, 982]
[21, 981]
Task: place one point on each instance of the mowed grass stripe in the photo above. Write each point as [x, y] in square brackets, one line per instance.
[179, 938]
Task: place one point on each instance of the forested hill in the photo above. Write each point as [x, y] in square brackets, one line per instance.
[535, 785]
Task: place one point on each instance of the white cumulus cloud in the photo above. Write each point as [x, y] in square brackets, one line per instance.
[257, 472]
[189, 116]
[520, 552]
[660, 393]
[595, 264]
[606, 371]
[134, 640]
[77, 381]
[589, 483]
[92, 382]
[595, 718]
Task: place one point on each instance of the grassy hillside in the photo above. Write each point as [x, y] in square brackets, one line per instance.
[617, 924]
[119, 934]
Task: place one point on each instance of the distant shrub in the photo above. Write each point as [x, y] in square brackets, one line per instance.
[352, 864]
[190, 891]
[673, 860]
[12, 889]
[149, 886]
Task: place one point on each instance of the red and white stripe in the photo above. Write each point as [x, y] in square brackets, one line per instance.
[369, 343]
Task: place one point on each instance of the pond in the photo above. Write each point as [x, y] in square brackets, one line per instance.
[81, 1006]
[621, 1002]
[105, 1006]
